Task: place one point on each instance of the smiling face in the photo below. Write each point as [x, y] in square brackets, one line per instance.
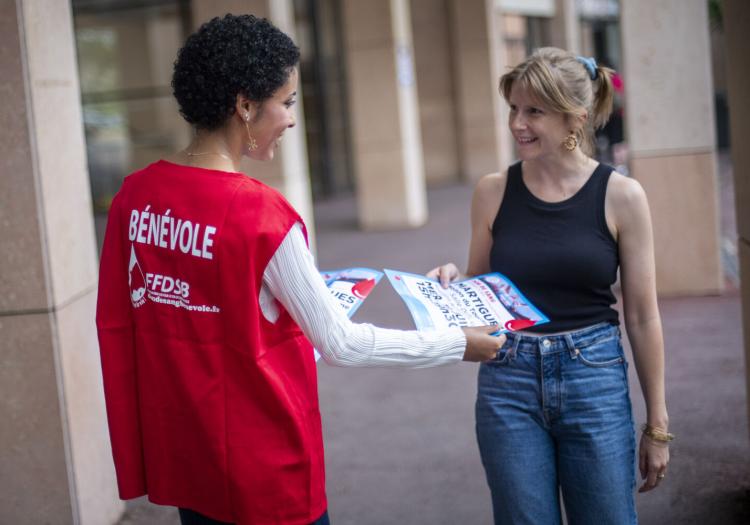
[272, 118]
[538, 131]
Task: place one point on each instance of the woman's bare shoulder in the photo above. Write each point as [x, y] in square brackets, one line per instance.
[491, 186]
[626, 203]
[493, 181]
[625, 191]
[488, 194]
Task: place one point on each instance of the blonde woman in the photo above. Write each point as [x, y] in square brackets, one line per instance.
[553, 411]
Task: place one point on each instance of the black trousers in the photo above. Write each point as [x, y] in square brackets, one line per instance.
[190, 517]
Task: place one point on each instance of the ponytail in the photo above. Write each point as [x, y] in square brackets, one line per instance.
[604, 94]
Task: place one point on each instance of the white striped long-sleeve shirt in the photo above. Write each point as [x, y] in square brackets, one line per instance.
[292, 278]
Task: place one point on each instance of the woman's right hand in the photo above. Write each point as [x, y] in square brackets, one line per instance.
[446, 274]
[480, 345]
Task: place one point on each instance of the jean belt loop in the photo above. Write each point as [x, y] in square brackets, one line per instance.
[571, 346]
[516, 342]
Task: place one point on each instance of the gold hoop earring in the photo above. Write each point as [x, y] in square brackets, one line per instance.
[251, 143]
[571, 142]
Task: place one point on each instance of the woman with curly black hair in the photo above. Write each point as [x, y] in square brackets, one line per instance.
[209, 301]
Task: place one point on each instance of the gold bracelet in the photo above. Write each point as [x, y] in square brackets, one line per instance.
[657, 434]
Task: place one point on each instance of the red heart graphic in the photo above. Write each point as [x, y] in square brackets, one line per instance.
[519, 324]
[363, 288]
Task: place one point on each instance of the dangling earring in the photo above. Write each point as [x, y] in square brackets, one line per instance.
[571, 142]
[251, 144]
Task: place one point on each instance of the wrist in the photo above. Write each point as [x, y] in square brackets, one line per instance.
[658, 418]
[658, 423]
[656, 435]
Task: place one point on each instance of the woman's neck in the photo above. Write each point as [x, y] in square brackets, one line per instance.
[567, 166]
[559, 178]
[216, 150]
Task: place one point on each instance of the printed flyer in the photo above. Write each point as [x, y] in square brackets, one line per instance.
[350, 287]
[482, 300]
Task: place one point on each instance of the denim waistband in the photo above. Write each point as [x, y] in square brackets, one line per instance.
[565, 342]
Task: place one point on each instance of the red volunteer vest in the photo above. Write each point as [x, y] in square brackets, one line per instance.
[210, 406]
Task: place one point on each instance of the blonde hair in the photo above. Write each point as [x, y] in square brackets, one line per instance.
[561, 83]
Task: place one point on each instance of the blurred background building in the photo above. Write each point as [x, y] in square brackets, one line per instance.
[397, 96]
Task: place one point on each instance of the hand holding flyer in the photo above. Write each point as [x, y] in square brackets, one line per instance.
[482, 300]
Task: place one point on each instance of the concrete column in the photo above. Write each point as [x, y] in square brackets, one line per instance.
[144, 59]
[510, 50]
[386, 138]
[669, 107]
[289, 171]
[479, 61]
[564, 27]
[736, 16]
[164, 36]
[56, 465]
[437, 106]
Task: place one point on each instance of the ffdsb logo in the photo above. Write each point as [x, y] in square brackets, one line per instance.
[155, 284]
[161, 289]
[167, 285]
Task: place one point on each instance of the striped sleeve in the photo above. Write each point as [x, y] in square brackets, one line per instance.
[293, 279]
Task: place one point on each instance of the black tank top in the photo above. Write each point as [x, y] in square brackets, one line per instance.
[561, 255]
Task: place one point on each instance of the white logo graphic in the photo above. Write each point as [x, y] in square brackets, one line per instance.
[160, 289]
[136, 281]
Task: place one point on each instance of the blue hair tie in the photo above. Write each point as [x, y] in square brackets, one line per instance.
[590, 64]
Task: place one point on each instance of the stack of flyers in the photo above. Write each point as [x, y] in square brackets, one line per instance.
[350, 287]
[482, 300]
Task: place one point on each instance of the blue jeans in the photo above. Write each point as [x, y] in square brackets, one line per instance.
[553, 416]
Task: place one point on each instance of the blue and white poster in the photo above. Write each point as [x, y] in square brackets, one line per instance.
[350, 287]
[482, 300]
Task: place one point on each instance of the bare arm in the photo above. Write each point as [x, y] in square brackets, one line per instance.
[638, 278]
[632, 219]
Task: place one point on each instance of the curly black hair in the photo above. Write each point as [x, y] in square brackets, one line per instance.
[225, 57]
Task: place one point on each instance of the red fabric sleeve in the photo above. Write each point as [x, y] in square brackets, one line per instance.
[117, 347]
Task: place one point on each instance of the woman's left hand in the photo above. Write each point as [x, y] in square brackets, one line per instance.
[653, 458]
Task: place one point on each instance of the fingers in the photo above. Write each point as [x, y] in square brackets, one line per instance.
[434, 273]
[652, 462]
[496, 341]
[480, 345]
[488, 329]
[642, 465]
[653, 479]
[444, 274]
